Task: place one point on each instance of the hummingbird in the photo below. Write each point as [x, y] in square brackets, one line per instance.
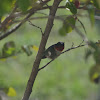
[53, 51]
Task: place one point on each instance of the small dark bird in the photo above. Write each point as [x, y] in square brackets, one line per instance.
[53, 51]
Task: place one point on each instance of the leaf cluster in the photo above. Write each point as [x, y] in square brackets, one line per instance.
[94, 72]
[9, 50]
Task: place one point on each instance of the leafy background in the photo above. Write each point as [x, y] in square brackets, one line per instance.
[65, 78]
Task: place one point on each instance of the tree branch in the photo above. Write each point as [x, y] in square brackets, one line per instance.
[31, 12]
[41, 50]
[80, 45]
[46, 64]
[16, 27]
[61, 17]
[10, 17]
[36, 26]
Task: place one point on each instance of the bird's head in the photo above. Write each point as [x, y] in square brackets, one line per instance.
[59, 46]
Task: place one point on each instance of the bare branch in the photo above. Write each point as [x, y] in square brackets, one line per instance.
[10, 31]
[61, 18]
[36, 26]
[82, 25]
[80, 45]
[72, 44]
[42, 13]
[39, 7]
[74, 48]
[46, 5]
[46, 64]
[49, 7]
[81, 42]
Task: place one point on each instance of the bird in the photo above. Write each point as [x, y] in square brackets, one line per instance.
[53, 51]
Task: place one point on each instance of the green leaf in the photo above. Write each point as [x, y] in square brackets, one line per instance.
[68, 26]
[96, 53]
[8, 49]
[96, 3]
[93, 45]
[10, 91]
[96, 56]
[62, 31]
[91, 14]
[5, 7]
[94, 73]
[71, 7]
[23, 4]
[35, 48]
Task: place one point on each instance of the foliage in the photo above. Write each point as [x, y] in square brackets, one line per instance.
[9, 49]
[14, 13]
[5, 6]
[71, 6]
[68, 26]
[94, 72]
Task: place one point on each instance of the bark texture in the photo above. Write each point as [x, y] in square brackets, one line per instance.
[41, 49]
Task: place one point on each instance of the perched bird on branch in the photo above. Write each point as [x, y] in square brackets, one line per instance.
[53, 51]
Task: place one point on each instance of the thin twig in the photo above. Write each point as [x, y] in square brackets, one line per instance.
[36, 27]
[41, 13]
[74, 48]
[61, 17]
[46, 65]
[81, 42]
[72, 44]
[46, 4]
[82, 24]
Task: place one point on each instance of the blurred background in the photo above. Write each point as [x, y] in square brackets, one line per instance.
[66, 78]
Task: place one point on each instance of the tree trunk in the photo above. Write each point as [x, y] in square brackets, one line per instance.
[41, 50]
